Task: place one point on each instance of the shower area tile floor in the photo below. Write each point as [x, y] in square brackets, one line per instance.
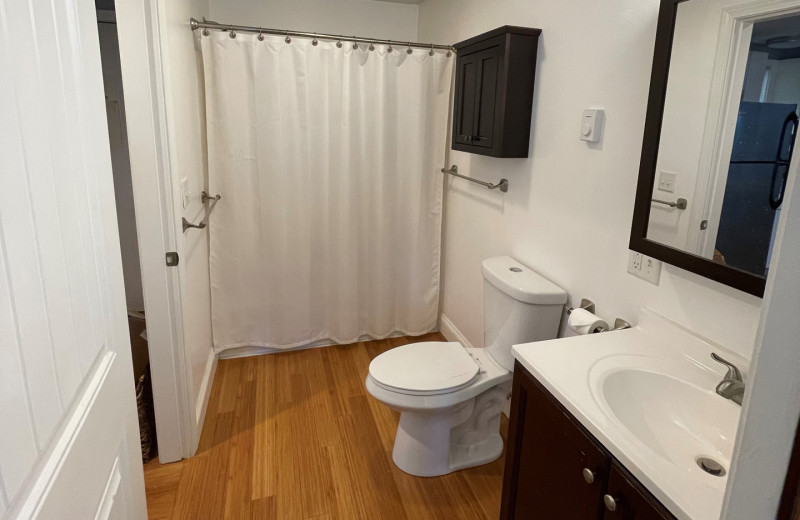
[295, 435]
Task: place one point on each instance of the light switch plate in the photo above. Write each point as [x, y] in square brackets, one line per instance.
[185, 193]
[644, 267]
[666, 181]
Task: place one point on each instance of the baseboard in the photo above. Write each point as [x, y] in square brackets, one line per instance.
[451, 332]
[202, 402]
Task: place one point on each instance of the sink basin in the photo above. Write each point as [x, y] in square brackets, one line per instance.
[647, 394]
[693, 421]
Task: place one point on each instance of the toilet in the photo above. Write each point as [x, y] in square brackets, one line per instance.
[449, 396]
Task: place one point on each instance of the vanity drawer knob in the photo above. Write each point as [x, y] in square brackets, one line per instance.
[610, 502]
[588, 476]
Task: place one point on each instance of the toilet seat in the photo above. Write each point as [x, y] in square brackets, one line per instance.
[429, 368]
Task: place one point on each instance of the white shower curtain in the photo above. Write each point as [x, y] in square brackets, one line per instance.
[327, 159]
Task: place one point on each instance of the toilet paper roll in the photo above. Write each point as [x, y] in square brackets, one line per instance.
[583, 322]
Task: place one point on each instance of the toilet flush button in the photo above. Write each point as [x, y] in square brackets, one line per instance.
[515, 269]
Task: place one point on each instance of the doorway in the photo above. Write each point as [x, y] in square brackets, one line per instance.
[129, 39]
[126, 223]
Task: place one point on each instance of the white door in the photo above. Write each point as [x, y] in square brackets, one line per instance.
[69, 443]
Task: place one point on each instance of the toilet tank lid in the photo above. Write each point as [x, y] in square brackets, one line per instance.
[522, 283]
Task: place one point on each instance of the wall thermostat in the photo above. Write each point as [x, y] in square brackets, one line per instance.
[592, 125]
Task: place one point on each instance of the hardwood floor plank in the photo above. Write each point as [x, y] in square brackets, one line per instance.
[264, 509]
[295, 436]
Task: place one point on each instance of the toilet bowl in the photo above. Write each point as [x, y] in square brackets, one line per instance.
[449, 396]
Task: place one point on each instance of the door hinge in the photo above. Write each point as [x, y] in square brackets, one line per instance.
[703, 225]
[172, 258]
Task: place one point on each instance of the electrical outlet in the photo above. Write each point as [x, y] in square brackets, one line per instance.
[634, 262]
[185, 193]
[666, 181]
[644, 267]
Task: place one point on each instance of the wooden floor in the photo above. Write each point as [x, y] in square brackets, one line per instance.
[295, 435]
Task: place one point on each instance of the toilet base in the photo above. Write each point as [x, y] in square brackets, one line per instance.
[438, 442]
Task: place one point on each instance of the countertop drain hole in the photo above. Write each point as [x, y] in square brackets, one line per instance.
[711, 466]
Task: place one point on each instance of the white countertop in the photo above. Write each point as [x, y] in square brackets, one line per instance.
[672, 416]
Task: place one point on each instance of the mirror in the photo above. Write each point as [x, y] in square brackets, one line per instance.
[721, 127]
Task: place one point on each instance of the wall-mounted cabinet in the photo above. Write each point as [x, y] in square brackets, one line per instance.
[495, 75]
[556, 469]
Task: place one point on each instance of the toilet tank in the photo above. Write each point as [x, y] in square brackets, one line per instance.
[519, 306]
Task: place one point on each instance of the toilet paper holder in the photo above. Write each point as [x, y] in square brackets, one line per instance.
[588, 305]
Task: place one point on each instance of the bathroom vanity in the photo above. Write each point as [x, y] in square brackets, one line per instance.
[616, 426]
[555, 468]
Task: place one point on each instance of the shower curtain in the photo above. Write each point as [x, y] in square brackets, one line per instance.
[327, 158]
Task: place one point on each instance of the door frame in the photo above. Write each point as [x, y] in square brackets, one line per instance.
[730, 63]
[157, 224]
[771, 407]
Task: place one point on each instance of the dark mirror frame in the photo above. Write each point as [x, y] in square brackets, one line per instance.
[727, 275]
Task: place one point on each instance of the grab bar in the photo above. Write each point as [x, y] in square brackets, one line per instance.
[202, 225]
[503, 184]
[680, 203]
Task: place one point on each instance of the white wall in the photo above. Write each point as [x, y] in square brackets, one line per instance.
[568, 210]
[685, 111]
[186, 124]
[386, 20]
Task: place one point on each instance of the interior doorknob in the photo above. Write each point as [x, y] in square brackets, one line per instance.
[588, 476]
[610, 502]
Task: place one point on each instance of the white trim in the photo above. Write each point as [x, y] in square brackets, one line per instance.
[451, 332]
[205, 394]
[31, 496]
[142, 76]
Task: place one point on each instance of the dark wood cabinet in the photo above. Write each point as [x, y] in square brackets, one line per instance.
[556, 470]
[631, 501]
[495, 75]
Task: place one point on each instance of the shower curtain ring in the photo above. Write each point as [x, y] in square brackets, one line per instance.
[338, 44]
[206, 32]
[409, 51]
[288, 38]
[232, 34]
[372, 45]
[314, 42]
[355, 44]
[260, 35]
[449, 53]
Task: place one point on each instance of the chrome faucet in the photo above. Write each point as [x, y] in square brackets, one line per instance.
[732, 385]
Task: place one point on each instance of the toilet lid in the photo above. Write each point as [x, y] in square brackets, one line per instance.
[430, 367]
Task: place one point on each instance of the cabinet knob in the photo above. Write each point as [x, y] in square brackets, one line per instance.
[610, 502]
[588, 476]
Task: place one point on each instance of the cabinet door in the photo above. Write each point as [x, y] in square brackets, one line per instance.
[630, 501]
[465, 99]
[546, 457]
[488, 69]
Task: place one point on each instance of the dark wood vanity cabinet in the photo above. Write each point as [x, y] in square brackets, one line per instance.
[556, 470]
[494, 92]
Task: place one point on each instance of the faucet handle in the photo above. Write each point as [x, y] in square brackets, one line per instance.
[733, 371]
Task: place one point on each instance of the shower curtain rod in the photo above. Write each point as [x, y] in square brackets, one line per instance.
[208, 24]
